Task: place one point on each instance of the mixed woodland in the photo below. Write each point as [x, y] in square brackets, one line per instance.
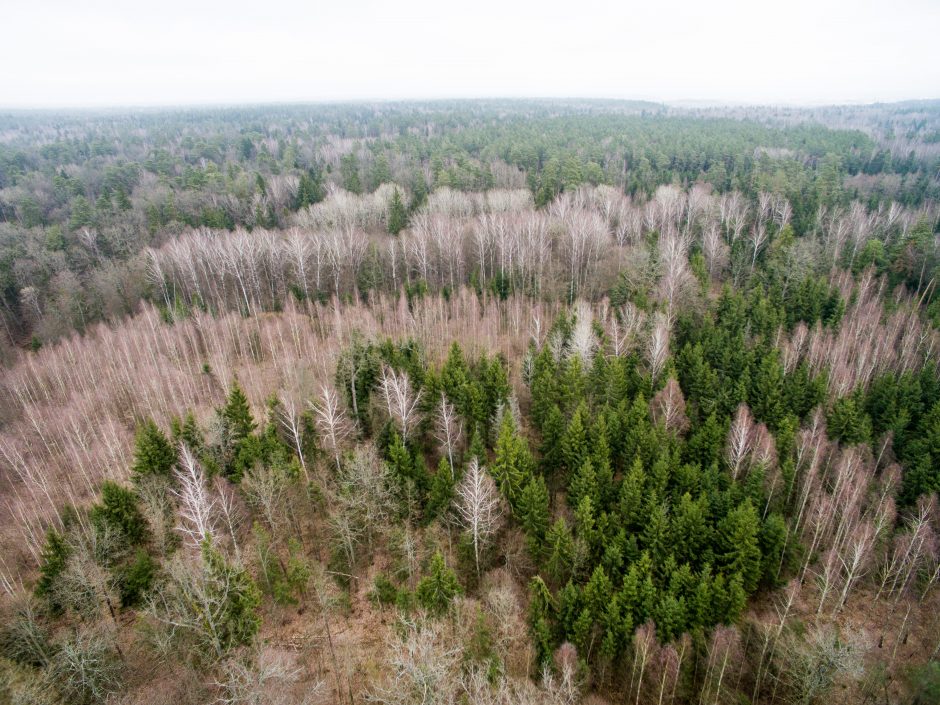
[487, 402]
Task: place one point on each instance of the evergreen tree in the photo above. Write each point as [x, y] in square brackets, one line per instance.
[512, 464]
[534, 513]
[690, 531]
[397, 214]
[559, 550]
[233, 598]
[52, 562]
[541, 609]
[237, 413]
[309, 189]
[632, 492]
[848, 422]
[766, 395]
[551, 448]
[584, 484]
[437, 590]
[574, 444]
[669, 616]
[739, 533]
[349, 170]
[597, 594]
[153, 452]
[601, 462]
[119, 511]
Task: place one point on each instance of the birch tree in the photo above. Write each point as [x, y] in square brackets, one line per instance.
[478, 507]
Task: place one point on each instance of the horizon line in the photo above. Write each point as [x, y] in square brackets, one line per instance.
[682, 103]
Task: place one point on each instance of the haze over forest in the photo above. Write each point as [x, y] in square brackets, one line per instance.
[503, 355]
[106, 52]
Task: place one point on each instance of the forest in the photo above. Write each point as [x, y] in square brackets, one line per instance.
[456, 402]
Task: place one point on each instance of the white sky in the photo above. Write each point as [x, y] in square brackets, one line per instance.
[122, 52]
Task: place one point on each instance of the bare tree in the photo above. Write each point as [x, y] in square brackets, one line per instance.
[85, 668]
[811, 665]
[675, 278]
[583, 341]
[289, 416]
[658, 348]
[668, 407]
[740, 440]
[332, 422]
[265, 488]
[260, 678]
[401, 400]
[479, 507]
[424, 666]
[197, 506]
[449, 430]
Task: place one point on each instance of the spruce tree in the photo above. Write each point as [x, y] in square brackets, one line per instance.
[153, 452]
[632, 492]
[397, 214]
[541, 614]
[574, 444]
[553, 431]
[233, 599]
[848, 422]
[512, 464]
[438, 589]
[559, 550]
[739, 534]
[52, 562]
[584, 484]
[534, 513]
[119, 510]
[237, 413]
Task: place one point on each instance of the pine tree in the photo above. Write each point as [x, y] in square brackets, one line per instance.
[574, 444]
[234, 598]
[848, 422]
[119, 511]
[237, 413]
[739, 534]
[534, 513]
[559, 550]
[153, 452]
[553, 432]
[583, 483]
[766, 395]
[669, 616]
[541, 615]
[438, 589]
[52, 562]
[397, 214]
[632, 492]
[512, 465]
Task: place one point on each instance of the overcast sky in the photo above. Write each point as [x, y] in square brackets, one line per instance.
[121, 52]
